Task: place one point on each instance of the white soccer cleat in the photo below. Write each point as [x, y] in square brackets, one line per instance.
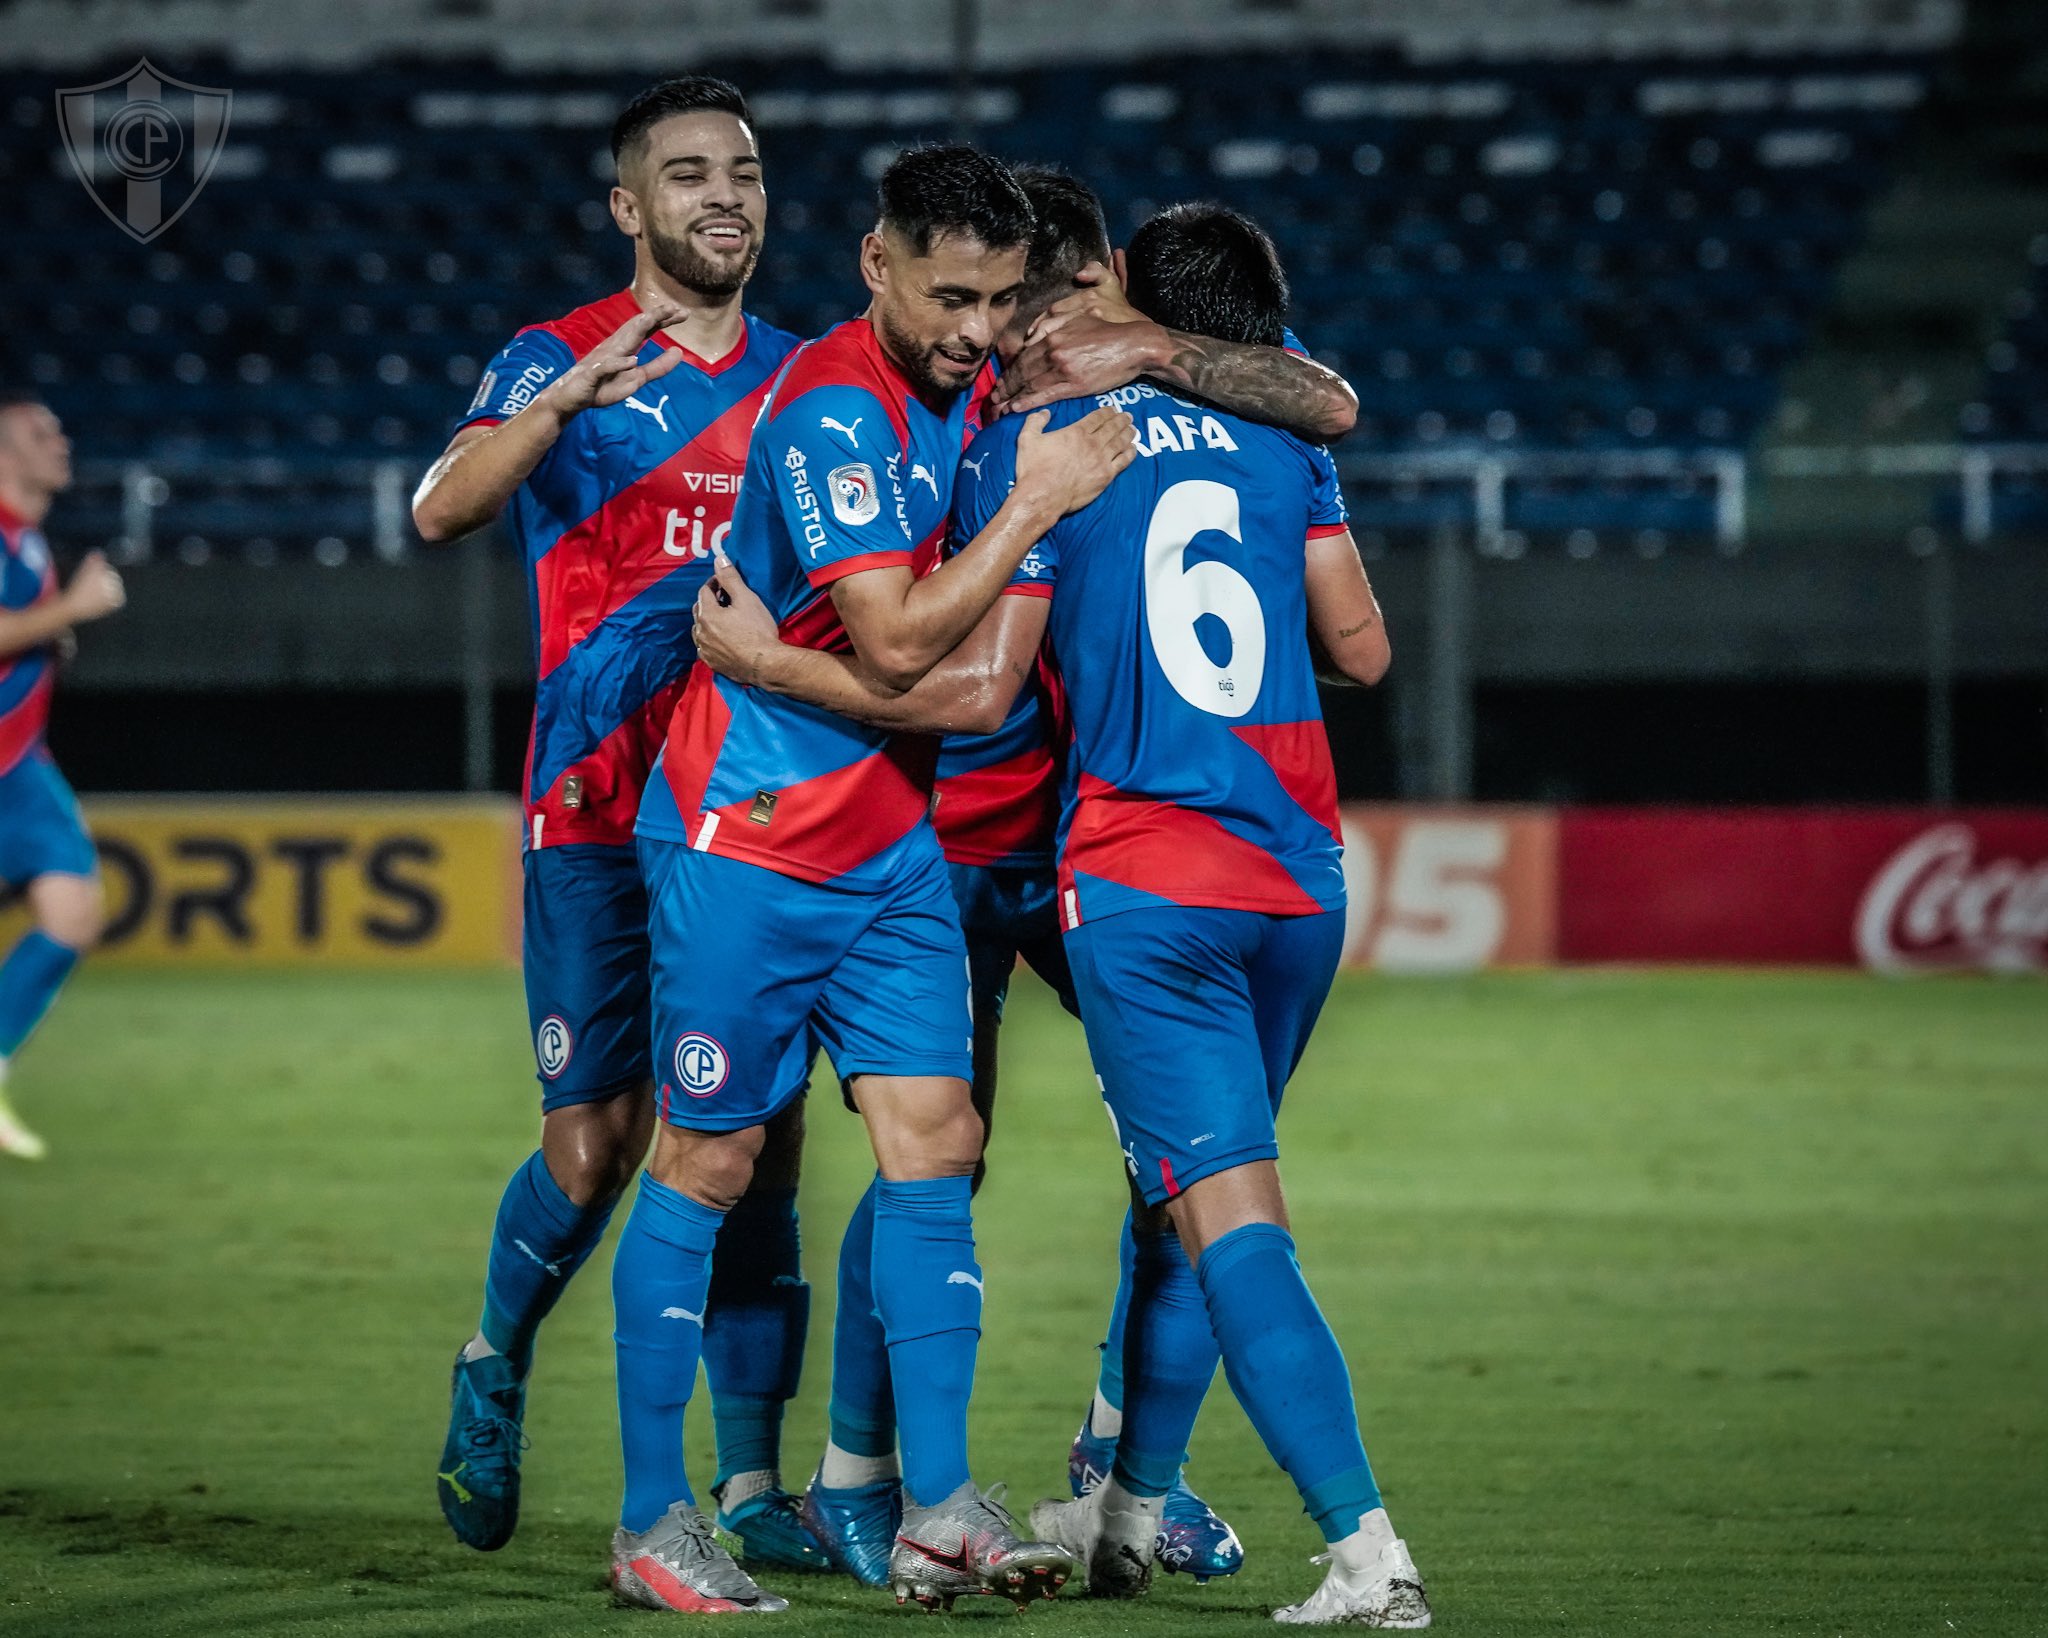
[16, 1139]
[1115, 1544]
[1387, 1594]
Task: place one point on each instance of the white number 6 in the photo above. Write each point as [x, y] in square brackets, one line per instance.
[1176, 596]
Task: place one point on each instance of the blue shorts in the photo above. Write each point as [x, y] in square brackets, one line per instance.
[1195, 1020]
[584, 947]
[41, 831]
[753, 970]
[1007, 912]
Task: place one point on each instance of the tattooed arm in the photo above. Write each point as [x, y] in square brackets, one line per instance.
[1344, 624]
[1095, 340]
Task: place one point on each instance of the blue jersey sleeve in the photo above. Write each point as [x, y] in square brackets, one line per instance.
[838, 465]
[988, 472]
[1326, 510]
[1292, 342]
[529, 362]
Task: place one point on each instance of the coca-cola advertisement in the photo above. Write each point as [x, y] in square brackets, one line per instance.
[1893, 890]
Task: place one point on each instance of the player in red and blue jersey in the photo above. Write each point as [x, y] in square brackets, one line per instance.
[1202, 893]
[612, 440]
[997, 803]
[804, 839]
[44, 849]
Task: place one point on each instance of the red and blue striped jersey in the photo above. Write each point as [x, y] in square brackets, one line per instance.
[27, 678]
[998, 794]
[848, 470]
[997, 798]
[617, 524]
[1199, 772]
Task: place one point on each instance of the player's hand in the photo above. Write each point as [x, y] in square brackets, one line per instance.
[736, 634]
[1067, 469]
[611, 372]
[1089, 342]
[95, 590]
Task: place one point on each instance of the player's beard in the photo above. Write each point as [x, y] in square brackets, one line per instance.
[914, 359]
[676, 256]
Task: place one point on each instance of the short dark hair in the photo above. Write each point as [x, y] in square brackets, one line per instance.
[945, 188]
[1207, 269]
[686, 94]
[1069, 229]
[20, 397]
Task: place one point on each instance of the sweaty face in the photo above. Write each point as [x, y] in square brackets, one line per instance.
[702, 209]
[939, 314]
[33, 449]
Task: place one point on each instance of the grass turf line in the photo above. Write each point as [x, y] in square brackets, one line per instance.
[1676, 1304]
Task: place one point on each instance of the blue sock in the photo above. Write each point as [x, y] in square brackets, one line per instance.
[928, 1290]
[30, 978]
[1287, 1371]
[1109, 1380]
[660, 1278]
[863, 1402]
[754, 1329]
[542, 1237]
[1169, 1360]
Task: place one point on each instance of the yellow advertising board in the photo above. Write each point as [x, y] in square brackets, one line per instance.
[315, 881]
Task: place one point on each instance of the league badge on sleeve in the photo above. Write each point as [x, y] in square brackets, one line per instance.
[854, 497]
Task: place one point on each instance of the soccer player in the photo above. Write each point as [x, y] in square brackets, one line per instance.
[613, 440]
[43, 845]
[997, 800]
[1202, 898]
[804, 840]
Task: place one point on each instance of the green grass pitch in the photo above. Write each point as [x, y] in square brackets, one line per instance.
[1676, 1304]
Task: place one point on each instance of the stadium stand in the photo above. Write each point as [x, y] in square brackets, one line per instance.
[1583, 255]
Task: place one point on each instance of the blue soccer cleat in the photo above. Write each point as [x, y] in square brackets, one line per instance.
[857, 1526]
[478, 1480]
[769, 1526]
[1192, 1539]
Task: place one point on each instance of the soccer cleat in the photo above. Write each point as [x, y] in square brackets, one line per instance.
[1114, 1546]
[1388, 1594]
[969, 1544]
[771, 1530]
[856, 1526]
[677, 1564]
[478, 1479]
[1193, 1540]
[16, 1139]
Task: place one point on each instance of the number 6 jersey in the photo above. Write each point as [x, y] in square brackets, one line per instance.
[1199, 772]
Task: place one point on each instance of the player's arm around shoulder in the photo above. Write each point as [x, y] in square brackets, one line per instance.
[1095, 339]
[531, 393]
[902, 625]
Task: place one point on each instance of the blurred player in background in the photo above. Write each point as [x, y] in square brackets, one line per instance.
[997, 804]
[44, 848]
[613, 440]
[805, 839]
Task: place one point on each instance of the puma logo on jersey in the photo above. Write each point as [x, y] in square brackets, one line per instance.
[852, 432]
[920, 470]
[975, 465]
[960, 1276]
[654, 410]
[681, 1313]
